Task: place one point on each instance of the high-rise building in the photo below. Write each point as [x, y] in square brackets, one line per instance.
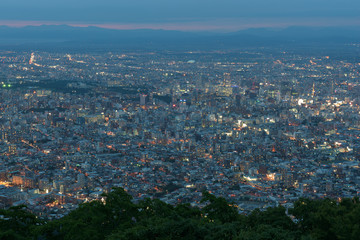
[143, 99]
[12, 149]
[81, 180]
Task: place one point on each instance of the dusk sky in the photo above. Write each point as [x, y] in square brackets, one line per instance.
[192, 15]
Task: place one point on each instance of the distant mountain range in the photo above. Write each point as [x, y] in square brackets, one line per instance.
[67, 36]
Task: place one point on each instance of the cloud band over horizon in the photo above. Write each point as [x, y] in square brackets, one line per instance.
[220, 25]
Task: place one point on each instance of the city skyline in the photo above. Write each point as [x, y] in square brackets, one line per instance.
[271, 125]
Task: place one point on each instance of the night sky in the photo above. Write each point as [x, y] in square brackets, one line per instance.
[213, 15]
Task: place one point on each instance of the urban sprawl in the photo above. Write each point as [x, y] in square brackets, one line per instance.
[258, 127]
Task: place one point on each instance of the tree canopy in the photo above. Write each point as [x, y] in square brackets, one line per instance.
[119, 217]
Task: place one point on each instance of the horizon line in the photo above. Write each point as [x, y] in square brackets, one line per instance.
[222, 25]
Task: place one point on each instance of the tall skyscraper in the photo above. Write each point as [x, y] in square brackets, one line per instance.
[143, 99]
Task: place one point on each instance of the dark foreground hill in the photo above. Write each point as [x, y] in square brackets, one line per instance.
[120, 218]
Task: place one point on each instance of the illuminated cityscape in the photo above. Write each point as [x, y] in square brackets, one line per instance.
[259, 127]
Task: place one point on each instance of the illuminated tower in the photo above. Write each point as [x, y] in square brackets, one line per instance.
[313, 91]
[12, 149]
[31, 58]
